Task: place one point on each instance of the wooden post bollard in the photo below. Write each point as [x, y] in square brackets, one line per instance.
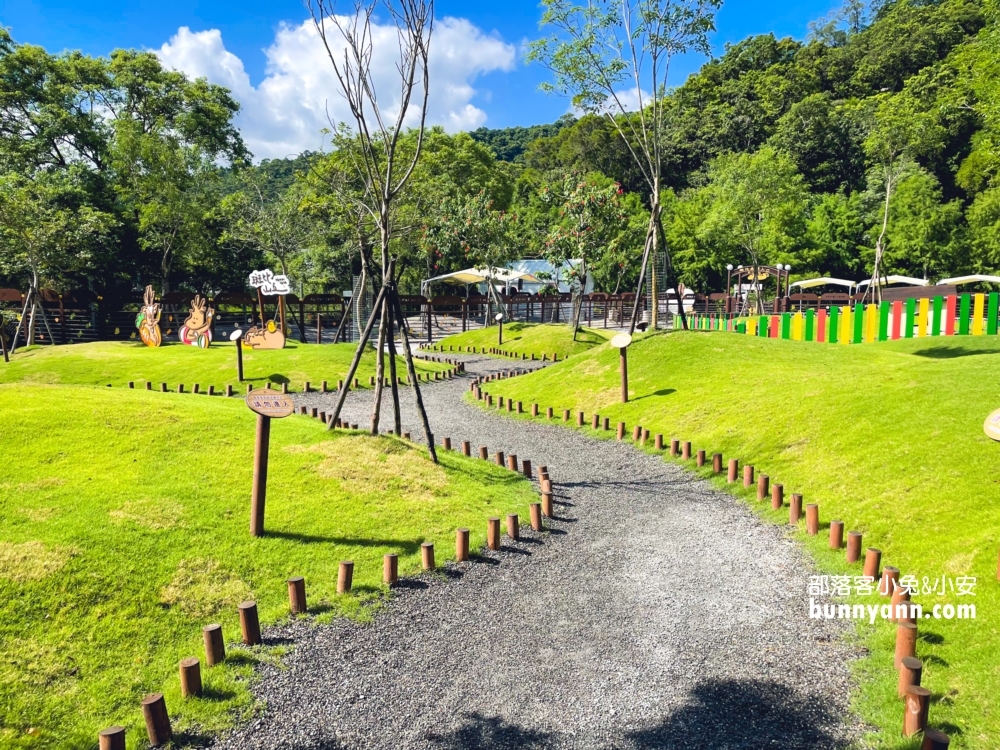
[513, 527]
[700, 459]
[917, 703]
[493, 533]
[498, 457]
[215, 645]
[644, 438]
[853, 546]
[889, 581]
[427, 556]
[777, 496]
[149, 386]
[579, 419]
[548, 413]
[606, 425]
[229, 391]
[621, 431]
[190, 670]
[297, 595]
[836, 534]
[390, 569]
[520, 407]
[794, 509]
[935, 739]
[512, 462]
[483, 453]
[534, 410]
[636, 433]
[906, 642]
[249, 624]
[733, 470]
[900, 596]
[763, 487]
[547, 505]
[675, 447]
[747, 477]
[686, 450]
[131, 384]
[197, 388]
[154, 711]
[565, 415]
[345, 576]
[716, 463]
[812, 519]
[112, 738]
[526, 467]
[163, 387]
[910, 671]
[466, 448]
[595, 422]
[535, 512]
[873, 560]
[446, 443]
[658, 441]
[462, 545]
[307, 387]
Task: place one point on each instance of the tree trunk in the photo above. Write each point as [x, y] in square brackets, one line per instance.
[332, 418]
[393, 385]
[379, 367]
[393, 300]
[669, 273]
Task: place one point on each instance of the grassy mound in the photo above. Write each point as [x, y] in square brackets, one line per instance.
[532, 338]
[125, 520]
[118, 362]
[887, 437]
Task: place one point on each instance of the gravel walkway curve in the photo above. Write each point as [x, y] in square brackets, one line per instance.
[657, 613]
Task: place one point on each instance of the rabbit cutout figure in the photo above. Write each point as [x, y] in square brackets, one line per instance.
[197, 329]
[148, 319]
[267, 337]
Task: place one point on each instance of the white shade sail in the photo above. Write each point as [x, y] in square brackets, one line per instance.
[971, 279]
[479, 275]
[889, 280]
[810, 283]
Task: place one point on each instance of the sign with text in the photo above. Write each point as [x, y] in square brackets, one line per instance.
[269, 283]
[270, 403]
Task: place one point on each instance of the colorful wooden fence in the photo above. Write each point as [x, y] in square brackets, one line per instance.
[955, 315]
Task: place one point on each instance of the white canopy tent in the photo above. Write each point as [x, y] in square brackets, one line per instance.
[889, 280]
[971, 279]
[501, 276]
[811, 283]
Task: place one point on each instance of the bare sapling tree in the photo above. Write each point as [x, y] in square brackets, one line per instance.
[613, 58]
[380, 165]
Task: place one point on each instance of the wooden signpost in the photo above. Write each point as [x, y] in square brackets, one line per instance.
[268, 405]
[992, 425]
[621, 342]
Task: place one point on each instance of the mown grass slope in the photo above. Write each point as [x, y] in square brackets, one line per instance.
[532, 338]
[887, 437]
[118, 362]
[124, 528]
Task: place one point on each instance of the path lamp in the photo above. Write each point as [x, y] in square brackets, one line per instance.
[235, 336]
[621, 342]
[499, 319]
[729, 288]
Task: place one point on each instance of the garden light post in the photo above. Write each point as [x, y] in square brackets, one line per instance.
[499, 320]
[235, 336]
[267, 404]
[729, 288]
[621, 342]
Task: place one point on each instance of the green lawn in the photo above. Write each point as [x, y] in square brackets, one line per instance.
[887, 437]
[118, 362]
[531, 338]
[125, 521]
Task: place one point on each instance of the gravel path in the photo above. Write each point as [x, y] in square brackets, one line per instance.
[657, 613]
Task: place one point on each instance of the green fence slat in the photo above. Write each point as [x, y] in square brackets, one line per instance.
[833, 325]
[859, 324]
[936, 315]
[763, 326]
[883, 320]
[786, 325]
[911, 314]
[992, 310]
[810, 325]
[964, 314]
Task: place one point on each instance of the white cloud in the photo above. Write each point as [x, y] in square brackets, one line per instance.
[628, 99]
[285, 112]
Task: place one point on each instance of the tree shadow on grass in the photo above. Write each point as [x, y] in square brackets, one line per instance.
[661, 392]
[950, 352]
[479, 732]
[743, 714]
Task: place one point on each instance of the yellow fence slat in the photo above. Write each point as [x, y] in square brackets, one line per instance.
[844, 335]
[923, 317]
[978, 308]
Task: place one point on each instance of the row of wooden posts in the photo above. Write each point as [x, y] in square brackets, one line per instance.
[154, 707]
[910, 669]
[493, 350]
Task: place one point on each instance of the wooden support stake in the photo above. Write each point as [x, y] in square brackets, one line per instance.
[910, 671]
[512, 462]
[513, 527]
[427, 556]
[621, 430]
[498, 457]
[658, 441]
[917, 703]
[763, 487]
[853, 546]
[812, 519]
[606, 425]
[190, 670]
[716, 463]
[215, 645]
[686, 450]
[795, 509]
[747, 477]
[345, 576]
[493, 533]
[390, 569]
[466, 448]
[889, 581]
[700, 459]
[112, 738]
[595, 422]
[154, 711]
[636, 433]
[483, 453]
[526, 467]
[777, 496]
[935, 739]
[297, 595]
[906, 642]
[579, 419]
[547, 505]
[534, 410]
[249, 624]
[446, 442]
[565, 415]
[873, 560]
[548, 413]
[734, 469]
[462, 545]
[535, 511]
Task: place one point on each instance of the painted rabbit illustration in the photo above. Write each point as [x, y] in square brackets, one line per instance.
[267, 337]
[148, 319]
[197, 329]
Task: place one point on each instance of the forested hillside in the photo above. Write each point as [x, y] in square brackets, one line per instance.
[885, 122]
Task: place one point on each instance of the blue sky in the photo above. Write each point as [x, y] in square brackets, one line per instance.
[491, 83]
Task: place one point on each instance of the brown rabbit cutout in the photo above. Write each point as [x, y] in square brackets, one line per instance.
[197, 329]
[148, 320]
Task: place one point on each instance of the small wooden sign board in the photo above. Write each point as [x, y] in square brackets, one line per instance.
[621, 340]
[992, 425]
[270, 403]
